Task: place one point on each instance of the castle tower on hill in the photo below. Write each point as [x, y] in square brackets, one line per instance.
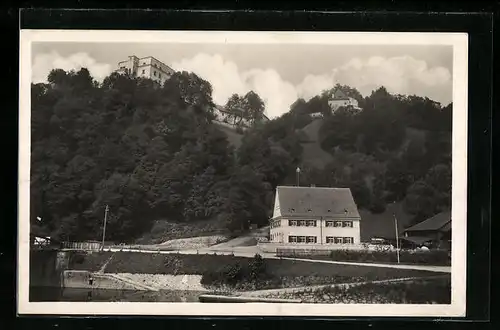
[146, 67]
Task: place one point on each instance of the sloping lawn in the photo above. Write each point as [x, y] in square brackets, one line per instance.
[277, 273]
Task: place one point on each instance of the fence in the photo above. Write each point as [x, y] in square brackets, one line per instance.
[86, 246]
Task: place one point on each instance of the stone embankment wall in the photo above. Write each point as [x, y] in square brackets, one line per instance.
[46, 267]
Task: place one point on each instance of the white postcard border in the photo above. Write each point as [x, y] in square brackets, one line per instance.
[457, 308]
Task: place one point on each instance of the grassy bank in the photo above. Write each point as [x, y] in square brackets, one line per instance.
[234, 272]
[435, 290]
[436, 258]
[425, 291]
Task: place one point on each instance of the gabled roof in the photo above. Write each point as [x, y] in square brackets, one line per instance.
[316, 202]
[440, 221]
[338, 94]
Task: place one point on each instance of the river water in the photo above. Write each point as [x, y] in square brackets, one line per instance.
[39, 294]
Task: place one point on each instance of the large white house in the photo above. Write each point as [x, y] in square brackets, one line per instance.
[314, 216]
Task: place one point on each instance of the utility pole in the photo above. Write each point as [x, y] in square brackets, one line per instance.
[298, 175]
[104, 228]
[397, 235]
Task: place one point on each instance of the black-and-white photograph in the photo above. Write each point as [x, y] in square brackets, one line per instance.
[294, 170]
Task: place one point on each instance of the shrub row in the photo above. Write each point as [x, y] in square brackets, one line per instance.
[433, 257]
[247, 274]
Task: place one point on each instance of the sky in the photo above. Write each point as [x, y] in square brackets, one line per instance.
[279, 73]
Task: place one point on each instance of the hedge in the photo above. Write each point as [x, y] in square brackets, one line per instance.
[432, 257]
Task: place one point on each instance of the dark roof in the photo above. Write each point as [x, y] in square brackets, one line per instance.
[416, 239]
[316, 202]
[436, 222]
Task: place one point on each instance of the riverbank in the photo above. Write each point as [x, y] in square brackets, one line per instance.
[432, 290]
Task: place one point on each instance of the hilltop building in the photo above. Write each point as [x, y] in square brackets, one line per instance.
[314, 216]
[340, 99]
[146, 67]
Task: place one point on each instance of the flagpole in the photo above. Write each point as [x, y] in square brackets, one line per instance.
[298, 175]
[397, 235]
[104, 227]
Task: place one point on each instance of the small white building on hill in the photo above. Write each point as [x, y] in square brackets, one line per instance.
[315, 216]
[340, 99]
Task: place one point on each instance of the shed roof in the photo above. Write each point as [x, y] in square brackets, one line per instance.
[437, 222]
[416, 239]
[316, 202]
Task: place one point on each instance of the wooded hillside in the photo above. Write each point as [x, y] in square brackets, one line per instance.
[153, 153]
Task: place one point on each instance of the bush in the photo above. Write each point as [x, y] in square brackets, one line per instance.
[434, 257]
[241, 273]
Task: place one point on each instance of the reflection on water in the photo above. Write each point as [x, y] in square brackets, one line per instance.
[71, 294]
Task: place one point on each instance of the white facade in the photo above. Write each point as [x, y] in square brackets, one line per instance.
[146, 67]
[335, 104]
[336, 229]
[313, 231]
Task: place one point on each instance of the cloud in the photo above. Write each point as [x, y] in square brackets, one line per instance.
[403, 75]
[44, 63]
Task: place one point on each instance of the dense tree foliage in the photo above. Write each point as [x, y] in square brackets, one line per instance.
[146, 151]
[250, 107]
[398, 148]
[152, 152]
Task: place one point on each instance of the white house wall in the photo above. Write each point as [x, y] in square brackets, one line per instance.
[280, 234]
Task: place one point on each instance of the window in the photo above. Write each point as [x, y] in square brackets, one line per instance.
[302, 239]
[338, 224]
[329, 239]
[143, 71]
[347, 224]
[292, 223]
[311, 239]
[159, 75]
[292, 239]
[329, 224]
[154, 73]
[302, 223]
[348, 240]
[311, 223]
[337, 240]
